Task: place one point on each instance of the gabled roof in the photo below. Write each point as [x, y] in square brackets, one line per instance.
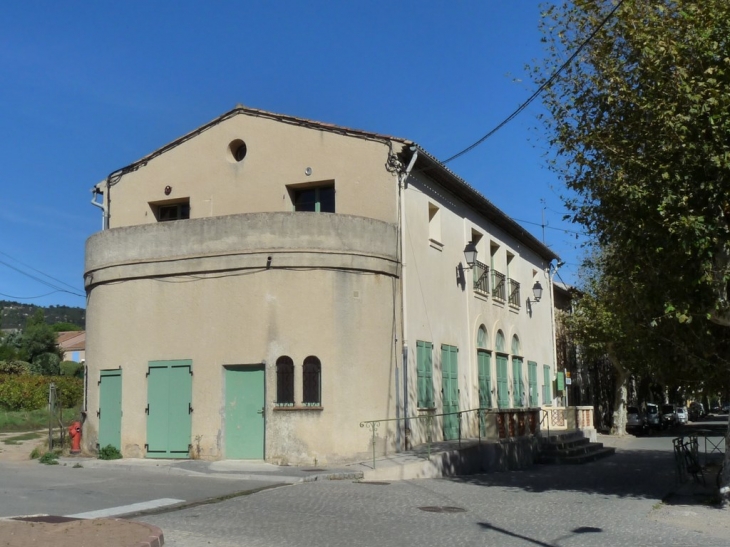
[426, 163]
[71, 340]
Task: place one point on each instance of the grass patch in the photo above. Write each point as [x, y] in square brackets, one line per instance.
[109, 452]
[49, 458]
[17, 439]
[28, 420]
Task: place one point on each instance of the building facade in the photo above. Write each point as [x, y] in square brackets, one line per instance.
[265, 283]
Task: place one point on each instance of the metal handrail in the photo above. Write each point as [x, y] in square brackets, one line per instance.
[498, 288]
[514, 292]
[546, 414]
[373, 425]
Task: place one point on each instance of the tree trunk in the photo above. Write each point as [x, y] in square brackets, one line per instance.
[620, 396]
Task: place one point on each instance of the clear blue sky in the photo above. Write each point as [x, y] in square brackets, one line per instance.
[88, 87]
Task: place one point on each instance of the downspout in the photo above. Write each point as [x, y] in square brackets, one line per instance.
[95, 191]
[402, 187]
[552, 320]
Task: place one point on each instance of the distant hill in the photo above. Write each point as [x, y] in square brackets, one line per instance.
[14, 314]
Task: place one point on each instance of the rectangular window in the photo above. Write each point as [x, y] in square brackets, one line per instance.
[165, 212]
[318, 199]
[547, 397]
[434, 227]
[424, 370]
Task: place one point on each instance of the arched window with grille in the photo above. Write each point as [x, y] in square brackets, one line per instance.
[312, 382]
[284, 381]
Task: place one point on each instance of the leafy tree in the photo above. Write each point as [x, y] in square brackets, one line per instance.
[38, 343]
[641, 125]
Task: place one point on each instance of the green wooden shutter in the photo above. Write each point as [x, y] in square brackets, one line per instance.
[532, 379]
[547, 397]
[110, 408]
[424, 365]
[485, 379]
[450, 390]
[518, 388]
[169, 397]
[502, 382]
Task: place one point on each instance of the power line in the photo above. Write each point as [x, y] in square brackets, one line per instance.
[46, 283]
[27, 297]
[540, 89]
[38, 271]
[548, 227]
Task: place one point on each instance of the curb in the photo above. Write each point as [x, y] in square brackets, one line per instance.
[355, 475]
[155, 539]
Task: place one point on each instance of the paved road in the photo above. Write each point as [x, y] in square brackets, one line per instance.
[28, 488]
[617, 501]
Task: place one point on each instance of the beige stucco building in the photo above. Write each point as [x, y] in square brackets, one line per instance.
[265, 283]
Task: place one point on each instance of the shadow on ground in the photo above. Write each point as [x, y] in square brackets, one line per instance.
[647, 474]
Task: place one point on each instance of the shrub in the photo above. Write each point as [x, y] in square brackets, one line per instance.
[47, 364]
[27, 392]
[14, 367]
[49, 458]
[109, 452]
[72, 369]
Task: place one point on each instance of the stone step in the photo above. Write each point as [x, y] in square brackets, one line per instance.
[560, 459]
[563, 437]
[575, 448]
[567, 445]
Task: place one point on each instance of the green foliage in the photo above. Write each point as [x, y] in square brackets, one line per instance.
[37, 342]
[14, 367]
[46, 364]
[65, 327]
[13, 315]
[640, 124]
[28, 420]
[49, 458]
[35, 453]
[109, 452]
[26, 392]
[72, 368]
[17, 439]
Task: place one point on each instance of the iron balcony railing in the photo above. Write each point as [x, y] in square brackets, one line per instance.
[499, 291]
[514, 292]
[481, 277]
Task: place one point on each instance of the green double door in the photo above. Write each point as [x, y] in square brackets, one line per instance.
[110, 408]
[245, 420]
[485, 385]
[169, 408]
[450, 391]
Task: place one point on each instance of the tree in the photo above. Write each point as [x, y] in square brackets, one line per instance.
[38, 345]
[640, 121]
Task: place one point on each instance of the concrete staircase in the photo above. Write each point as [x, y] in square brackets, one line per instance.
[571, 447]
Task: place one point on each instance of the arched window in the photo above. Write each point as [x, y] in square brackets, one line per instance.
[312, 382]
[482, 337]
[516, 350]
[284, 381]
[499, 341]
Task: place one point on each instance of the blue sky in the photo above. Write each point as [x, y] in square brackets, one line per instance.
[86, 88]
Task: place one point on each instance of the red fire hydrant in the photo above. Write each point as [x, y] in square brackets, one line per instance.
[74, 431]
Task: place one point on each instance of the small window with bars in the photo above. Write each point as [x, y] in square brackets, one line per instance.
[284, 381]
[312, 382]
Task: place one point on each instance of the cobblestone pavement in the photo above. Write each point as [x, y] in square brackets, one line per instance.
[616, 501]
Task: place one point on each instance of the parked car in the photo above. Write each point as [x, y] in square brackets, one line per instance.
[669, 415]
[682, 415]
[726, 408]
[715, 408]
[635, 423]
[696, 411]
[653, 418]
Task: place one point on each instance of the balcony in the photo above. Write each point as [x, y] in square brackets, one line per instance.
[481, 278]
[499, 288]
[513, 288]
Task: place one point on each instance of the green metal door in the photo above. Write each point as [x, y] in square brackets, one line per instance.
[518, 384]
[245, 424]
[450, 391]
[532, 380]
[502, 385]
[110, 408]
[169, 408]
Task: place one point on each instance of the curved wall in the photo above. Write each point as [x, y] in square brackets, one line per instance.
[202, 290]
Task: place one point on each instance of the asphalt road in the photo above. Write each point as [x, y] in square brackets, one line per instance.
[30, 488]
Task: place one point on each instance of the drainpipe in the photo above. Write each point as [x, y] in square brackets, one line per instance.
[552, 321]
[95, 191]
[402, 187]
